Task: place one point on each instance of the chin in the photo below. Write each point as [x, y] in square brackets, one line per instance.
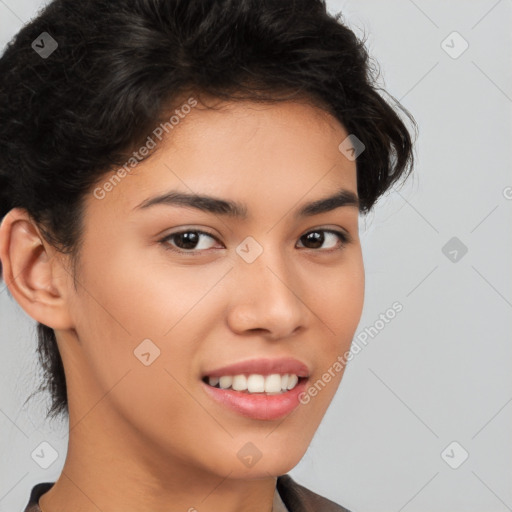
[274, 464]
[265, 467]
[259, 473]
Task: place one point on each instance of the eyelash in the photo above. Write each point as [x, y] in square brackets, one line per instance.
[343, 238]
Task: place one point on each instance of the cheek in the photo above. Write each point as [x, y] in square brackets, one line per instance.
[134, 295]
[127, 312]
[335, 297]
[346, 301]
[338, 299]
[121, 303]
[338, 308]
[146, 295]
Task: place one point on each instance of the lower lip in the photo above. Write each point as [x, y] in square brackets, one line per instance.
[258, 406]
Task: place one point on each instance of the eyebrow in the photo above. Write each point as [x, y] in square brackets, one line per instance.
[218, 206]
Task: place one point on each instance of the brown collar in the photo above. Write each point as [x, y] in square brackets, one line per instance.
[300, 499]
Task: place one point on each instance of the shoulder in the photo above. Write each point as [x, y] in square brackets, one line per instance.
[300, 499]
[37, 491]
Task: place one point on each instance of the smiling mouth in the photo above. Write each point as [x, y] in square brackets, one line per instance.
[273, 384]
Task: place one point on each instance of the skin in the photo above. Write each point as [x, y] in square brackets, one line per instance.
[145, 437]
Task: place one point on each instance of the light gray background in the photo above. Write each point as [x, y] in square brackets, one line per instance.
[440, 371]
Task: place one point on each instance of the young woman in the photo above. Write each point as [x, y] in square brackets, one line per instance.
[180, 187]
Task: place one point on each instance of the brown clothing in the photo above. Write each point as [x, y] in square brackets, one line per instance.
[289, 497]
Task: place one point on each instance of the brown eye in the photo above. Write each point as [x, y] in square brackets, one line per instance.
[316, 239]
[187, 241]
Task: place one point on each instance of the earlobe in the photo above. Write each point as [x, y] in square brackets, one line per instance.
[32, 271]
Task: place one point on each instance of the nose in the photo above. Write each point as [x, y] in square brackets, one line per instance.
[267, 297]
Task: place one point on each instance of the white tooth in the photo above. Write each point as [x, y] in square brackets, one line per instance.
[284, 382]
[273, 383]
[292, 381]
[239, 383]
[213, 381]
[225, 381]
[256, 384]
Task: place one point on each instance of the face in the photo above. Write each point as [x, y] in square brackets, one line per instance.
[169, 295]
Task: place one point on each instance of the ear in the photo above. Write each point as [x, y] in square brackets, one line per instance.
[33, 271]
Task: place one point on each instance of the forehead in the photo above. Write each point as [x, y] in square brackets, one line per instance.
[245, 151]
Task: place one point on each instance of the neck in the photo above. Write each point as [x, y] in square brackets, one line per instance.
[109, 468]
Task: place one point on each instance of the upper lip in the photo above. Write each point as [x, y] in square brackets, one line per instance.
[262, 367]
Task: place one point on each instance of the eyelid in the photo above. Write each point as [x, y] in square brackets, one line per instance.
[336, 230]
